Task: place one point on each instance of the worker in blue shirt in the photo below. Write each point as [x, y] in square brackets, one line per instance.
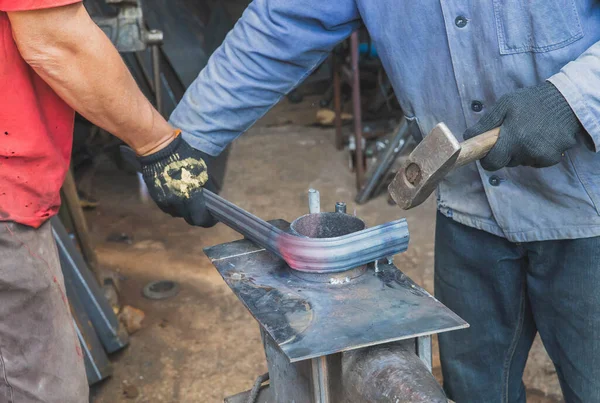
[518, 233]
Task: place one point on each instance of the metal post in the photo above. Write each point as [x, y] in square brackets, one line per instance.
[314, 201]
[156, 75]
[76, 272]
[97, 365]
[154, 39]
[424, 350]
[71, 200]
[337, 103]
[360, 169]
[320, 380]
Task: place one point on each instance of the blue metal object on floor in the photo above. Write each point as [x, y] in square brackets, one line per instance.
[97, 365]
[85, 286]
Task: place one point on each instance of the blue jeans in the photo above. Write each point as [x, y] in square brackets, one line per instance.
[508, 292]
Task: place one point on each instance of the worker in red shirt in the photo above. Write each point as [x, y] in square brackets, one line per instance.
[54, 60]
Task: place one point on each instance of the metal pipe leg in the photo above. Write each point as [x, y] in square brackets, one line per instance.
[320, 380]
[314, 201]
[424, 351]
[156, 77]
[337, 104]
[359, 162]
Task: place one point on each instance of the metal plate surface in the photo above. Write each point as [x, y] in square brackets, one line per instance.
[310, 319]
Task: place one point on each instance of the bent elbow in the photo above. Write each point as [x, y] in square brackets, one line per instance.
[45, 57]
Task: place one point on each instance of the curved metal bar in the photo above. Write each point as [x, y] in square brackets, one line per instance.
[238, 219]
[317, 255]
[325, 255]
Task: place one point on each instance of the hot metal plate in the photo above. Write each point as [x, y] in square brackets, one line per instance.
[310, 319]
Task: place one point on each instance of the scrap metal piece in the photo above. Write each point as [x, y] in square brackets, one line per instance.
[377, 174]
[161, 289]
[97, 365]
[319, 255]
[112, 335]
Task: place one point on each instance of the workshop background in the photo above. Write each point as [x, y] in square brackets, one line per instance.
[159, 322]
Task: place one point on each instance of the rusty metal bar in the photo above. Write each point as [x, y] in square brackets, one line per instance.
[80, 228]
[359, 163]
[337, 103]
[320, 380]
[156, 78]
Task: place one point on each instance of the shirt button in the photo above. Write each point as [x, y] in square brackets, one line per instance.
[494, 180]
[461, 21]
[476, 106]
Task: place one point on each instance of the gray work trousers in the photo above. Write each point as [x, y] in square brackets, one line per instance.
[40, 356]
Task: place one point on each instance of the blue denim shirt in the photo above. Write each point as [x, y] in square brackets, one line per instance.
[441, 56]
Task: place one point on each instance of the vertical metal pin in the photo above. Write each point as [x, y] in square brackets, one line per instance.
[340, 207]
[314, 201]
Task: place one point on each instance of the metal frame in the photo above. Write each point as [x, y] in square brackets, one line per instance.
[291, 309]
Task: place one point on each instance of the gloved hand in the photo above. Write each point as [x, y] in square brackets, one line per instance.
[538, 126]
[175, 177]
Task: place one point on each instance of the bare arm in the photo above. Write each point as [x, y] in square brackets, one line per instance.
[68, 50]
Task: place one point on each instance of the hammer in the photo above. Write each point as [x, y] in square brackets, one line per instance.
[438, 154]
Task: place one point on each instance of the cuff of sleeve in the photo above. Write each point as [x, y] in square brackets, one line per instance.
[578, 104]
[202, 144]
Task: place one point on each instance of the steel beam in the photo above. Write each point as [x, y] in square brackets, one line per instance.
[110, 332]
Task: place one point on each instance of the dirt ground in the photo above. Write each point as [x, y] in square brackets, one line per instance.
[202, 345]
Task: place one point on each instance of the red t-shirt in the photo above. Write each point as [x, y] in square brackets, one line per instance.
[36, 130]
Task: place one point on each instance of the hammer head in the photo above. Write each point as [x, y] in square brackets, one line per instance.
[429, 162]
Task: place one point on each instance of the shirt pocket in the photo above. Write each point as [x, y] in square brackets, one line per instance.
[536, 25]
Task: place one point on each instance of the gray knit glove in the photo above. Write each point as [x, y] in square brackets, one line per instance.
[537, 127]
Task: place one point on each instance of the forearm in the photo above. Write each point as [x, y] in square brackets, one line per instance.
[70, 53]
[272, 48]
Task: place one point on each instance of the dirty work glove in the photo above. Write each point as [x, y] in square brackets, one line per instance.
[175, 177]
[538, 126]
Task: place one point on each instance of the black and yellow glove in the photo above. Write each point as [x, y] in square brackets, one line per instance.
[175, 177]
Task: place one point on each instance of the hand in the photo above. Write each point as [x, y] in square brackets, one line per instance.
[537, 126]
[175, 177]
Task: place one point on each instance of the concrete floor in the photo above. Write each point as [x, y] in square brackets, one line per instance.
[202, 345]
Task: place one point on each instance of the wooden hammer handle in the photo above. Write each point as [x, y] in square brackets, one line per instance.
[477, 147]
